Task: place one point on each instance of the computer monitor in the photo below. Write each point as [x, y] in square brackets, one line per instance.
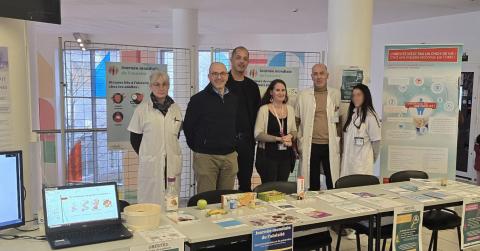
[12, 211]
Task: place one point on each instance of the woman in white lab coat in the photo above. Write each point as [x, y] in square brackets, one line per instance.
[155, 128]
[361, 134]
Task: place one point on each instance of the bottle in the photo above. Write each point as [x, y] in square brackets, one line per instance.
[300, 188]
[171, 195]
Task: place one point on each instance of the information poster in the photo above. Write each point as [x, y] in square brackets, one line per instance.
[5, 126]
[407, 228]
[127, 86]
[420, 109]
[350, 78]
[273, 238]
[471, 222]
[264, 75]
[163, 238]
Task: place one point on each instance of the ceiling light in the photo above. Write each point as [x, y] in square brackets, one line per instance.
[83, 49]
[81, 45]
[81, 37]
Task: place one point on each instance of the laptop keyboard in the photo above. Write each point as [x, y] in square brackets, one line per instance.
[95, 234]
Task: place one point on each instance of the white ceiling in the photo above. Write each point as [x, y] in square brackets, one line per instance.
[234, 16]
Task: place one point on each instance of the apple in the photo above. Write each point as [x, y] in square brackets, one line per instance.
[202, 204]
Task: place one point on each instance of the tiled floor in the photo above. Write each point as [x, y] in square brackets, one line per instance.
[447, 241]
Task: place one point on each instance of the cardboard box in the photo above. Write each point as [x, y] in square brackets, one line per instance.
[271, 196]
[238, 200]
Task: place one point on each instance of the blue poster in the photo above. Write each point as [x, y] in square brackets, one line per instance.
[273, 238]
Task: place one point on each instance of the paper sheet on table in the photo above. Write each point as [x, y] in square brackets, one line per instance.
[354, 208]
[271, 219]
[330, 198]
[396, 190]
[162, 233]
[346, 195]
[463, 194]
[229, 223]
[419, 197]
[313, 213]
[161, 238]
[284, 206]
[382, 202]
[440, 194]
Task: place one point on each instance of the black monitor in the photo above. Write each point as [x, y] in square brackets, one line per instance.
[12, 210]
[47, 11]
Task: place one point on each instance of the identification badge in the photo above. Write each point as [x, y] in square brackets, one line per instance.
[358, 141]
[336, 117]
[282, 147]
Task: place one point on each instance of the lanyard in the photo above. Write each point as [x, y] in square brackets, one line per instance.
[355, 120]
[280, 122]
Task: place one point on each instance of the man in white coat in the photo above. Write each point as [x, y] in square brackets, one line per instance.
[316, 112]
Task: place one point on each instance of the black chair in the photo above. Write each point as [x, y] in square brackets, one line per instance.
[362, 227]
[407, 175]
[436, 219]
[122, 204]
[315, 241]
[213, 197]
[281, 186]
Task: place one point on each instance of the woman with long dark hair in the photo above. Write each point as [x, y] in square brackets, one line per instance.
[274, 130]
[361, 134]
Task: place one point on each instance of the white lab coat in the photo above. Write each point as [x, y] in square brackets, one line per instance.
[160, 146]
[305, 110]
[359, 159]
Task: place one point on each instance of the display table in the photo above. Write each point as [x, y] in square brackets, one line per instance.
[205, 232]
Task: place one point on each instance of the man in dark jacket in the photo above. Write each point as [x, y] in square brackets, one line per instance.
[209, 128]
[248, 95]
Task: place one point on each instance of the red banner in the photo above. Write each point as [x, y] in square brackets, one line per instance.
[430, 105]
[423, 55]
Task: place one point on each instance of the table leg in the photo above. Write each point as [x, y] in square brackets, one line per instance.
[378, 225]
[371, 233]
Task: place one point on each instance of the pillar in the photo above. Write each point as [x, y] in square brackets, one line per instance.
[349, 37]
[185, 72]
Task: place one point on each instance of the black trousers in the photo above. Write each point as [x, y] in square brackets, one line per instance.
[271, 169]
[246, 153]
[320, 155]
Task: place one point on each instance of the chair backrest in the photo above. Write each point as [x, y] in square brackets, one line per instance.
[212, 197]
[122, 204]
[356, 180]
[281, 186]
[407, 175]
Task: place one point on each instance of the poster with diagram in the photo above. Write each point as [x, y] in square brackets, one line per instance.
[127, 87]
[420, 109]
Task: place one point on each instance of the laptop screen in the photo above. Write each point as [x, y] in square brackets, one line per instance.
[82, 204]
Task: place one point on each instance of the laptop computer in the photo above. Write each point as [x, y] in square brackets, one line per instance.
[83, 214]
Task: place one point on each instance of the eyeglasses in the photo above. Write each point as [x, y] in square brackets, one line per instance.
[218, 74]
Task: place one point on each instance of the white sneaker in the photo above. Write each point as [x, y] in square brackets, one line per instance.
[351, 234]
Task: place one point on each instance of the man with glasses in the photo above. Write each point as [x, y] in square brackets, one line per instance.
[248, 103]
[316, 113]
[209, 128]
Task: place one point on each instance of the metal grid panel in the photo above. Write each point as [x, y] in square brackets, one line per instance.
[86, 110]
[303, 60]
